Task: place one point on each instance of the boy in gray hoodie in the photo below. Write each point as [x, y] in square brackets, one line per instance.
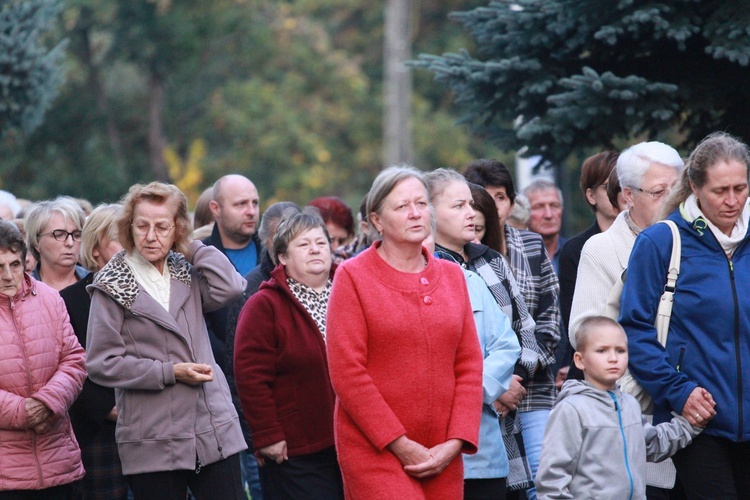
[596, 442]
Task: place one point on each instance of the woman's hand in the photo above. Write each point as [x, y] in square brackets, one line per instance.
[440, 456]
[112, 415]
[699, 407]
[36, 413]
[193, 373]
[275, 452]
[511, 398]
[409, 452]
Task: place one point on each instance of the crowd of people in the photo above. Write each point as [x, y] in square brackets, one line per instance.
[446, 341]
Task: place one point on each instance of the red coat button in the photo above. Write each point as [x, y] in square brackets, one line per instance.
[424, 281]
[427, 300]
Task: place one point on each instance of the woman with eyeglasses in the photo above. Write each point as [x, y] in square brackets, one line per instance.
[53, 232]
[176, 425]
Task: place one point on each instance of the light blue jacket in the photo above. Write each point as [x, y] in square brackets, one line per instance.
[501, 351]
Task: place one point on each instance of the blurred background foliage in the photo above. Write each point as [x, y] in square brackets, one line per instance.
[288, 93]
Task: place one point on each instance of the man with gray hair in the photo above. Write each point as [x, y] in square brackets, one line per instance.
[546, 205]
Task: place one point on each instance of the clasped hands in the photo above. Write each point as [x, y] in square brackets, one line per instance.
[510, 399]
[39, 417]
[420, 461]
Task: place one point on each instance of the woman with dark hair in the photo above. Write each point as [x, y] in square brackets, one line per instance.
[41, 374]
[595, 175]
[281, 367]
[338, 218]
[486, 223]
[538, 283]
[176, 425]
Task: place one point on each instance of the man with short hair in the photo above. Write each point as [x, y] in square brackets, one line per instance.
[546, 203]
[236, 208]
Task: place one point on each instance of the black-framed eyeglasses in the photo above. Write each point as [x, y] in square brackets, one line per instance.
[62, 234]
[656, 194]
[161, 229]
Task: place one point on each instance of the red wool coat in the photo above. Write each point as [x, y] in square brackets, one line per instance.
[404, 359]
[281, 371]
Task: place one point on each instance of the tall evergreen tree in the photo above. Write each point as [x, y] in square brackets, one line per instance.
[30, 71]
[557, 76]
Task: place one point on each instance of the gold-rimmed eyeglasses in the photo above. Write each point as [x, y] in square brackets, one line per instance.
[161, 229]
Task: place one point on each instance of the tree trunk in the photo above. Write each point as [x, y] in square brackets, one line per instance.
[157, 142]
[96, 87]
[397, 106]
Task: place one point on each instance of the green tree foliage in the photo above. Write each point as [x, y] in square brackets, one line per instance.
[558, 76]
[30, 70]
[287, 93]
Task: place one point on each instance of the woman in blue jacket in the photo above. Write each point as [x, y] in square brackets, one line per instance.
[702, 372]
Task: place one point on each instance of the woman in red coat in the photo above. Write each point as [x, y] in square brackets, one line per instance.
[403, 356]
[281, 369]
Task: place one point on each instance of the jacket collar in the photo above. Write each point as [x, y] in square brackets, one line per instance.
[215, 240]
[117, 280]
[28, 287]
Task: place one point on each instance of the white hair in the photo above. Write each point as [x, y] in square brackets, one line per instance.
[9, 200]
[636, 160]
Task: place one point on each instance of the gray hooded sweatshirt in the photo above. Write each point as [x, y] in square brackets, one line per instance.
[596, 445]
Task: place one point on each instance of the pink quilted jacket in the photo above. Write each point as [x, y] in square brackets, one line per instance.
[40, 357]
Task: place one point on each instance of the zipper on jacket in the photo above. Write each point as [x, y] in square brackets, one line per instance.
[681, 358]
[219, 448]
[624, 443]
[737, 354]
[31, 390]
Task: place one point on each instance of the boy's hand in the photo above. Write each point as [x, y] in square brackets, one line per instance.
[699, 407]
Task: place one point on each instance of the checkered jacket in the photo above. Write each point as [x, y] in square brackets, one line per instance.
[540, 289]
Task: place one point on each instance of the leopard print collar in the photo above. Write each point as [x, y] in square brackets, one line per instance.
[117, 280]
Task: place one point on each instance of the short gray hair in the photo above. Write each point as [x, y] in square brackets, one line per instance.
[270, 221]
[102, 222]
[521, 211]
[633, 163]
[386, 181]
[40, 214]
[543, 185]
[293, 222]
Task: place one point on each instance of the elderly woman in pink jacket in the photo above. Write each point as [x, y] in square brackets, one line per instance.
[41, 374]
